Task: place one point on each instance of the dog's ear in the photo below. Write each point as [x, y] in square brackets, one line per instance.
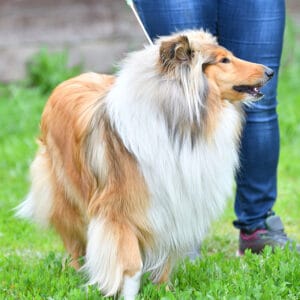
[175, 50]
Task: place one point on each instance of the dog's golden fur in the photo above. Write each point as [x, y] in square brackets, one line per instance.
[92, 180]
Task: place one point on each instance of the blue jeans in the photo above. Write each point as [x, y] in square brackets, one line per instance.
[252, 30]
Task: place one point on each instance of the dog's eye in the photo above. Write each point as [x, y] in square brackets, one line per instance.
[225, 60]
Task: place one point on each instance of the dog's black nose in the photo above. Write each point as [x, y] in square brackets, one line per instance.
[269, 72]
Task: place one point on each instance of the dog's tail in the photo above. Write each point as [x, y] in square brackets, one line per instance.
[38, 204]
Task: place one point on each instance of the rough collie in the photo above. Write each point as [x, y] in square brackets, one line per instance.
[131, 170]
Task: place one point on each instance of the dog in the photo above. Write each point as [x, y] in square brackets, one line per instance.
[131, 170]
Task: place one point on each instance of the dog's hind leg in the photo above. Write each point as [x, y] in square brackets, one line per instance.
[70, 225]
[113, 259]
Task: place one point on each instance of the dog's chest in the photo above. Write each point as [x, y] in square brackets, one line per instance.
[187, 187]
[188, 190]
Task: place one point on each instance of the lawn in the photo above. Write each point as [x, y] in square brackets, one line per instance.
[33, 264]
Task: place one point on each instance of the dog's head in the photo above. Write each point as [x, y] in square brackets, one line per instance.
[191, 54]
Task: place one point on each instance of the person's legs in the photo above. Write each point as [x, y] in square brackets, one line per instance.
[164, 17]
[253, 30]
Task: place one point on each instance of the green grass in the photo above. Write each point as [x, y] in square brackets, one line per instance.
[33, 263]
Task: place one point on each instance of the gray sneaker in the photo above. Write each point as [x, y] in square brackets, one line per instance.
[273, 235]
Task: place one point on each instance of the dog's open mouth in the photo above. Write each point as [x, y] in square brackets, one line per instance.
[252, 90]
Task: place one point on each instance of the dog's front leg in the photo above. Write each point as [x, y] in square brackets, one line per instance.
[131, 286]
[113, 258]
